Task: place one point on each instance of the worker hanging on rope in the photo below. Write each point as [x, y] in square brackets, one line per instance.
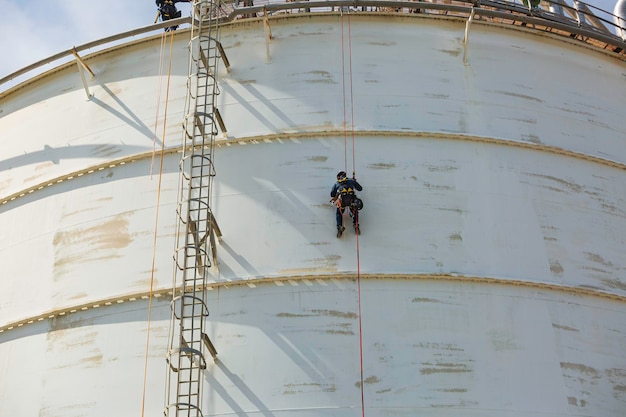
[168, 10]
[344, 196]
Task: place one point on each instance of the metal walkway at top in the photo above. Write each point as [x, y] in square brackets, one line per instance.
[569, 18]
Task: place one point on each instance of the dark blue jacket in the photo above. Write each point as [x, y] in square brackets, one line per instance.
[349, 185]
[162, 2]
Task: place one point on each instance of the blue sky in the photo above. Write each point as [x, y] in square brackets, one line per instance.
[32, 30]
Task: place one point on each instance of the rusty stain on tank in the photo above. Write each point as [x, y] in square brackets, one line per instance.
[583, 369]
[562, 327]
[335, 313]
[439, 346]
[78, 296]
[445, 368]
[5, 183]
[614, 283]
[328, 263]
[292, 315]
[593, 257]
[308, 388]
[620, 388]
[92, 361]
[532, 138]
[555, 267]
[381, 165]
[437, 96]
[427, 300]
[436, 187]
[88, 244]
[570, 186]
[62, 337]
[451, 52]
[612, 208]
[382, 43]
[456, 237]
[317, 313]
[442, 168]
[574, 401]
[369, 380]
[306, 271]
[324, 77]
[39, 167]
[517, 95]
[320, 243]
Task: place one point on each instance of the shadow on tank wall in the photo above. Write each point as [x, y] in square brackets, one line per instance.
[116, 64]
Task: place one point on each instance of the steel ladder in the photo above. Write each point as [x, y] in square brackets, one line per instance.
[197, 229]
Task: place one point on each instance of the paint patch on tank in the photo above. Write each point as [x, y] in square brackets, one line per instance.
[317, 77]
[614, 283]
[367, 381]
[557, 184]
[580, 369]
[445, 368]
[562, 327]
[451, 52]
[381, 165]
[522, 96]
[90, 244]
[555, 267]
[307, 388]
[319, 158]
[427, 300]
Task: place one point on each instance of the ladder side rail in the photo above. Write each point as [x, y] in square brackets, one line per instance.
[196, 249]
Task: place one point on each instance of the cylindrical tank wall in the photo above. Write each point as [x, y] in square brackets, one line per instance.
[491, 262]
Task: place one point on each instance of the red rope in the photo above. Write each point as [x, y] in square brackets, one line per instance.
[156, 222]
[345, 140]
[358, 281]
[343, 84]
[351, 95]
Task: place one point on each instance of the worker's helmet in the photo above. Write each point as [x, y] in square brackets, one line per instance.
[341, 176]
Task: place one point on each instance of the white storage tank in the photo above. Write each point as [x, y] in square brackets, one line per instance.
[488, 280]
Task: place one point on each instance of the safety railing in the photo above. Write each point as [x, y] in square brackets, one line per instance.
[575, 19]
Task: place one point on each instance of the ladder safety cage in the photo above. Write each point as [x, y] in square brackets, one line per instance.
[186, 165]
[195, 252]
[183, 407]
[179, 298]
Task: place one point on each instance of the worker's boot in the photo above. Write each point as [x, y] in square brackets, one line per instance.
[340, 230]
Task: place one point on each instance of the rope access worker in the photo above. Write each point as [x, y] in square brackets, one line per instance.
[343, 196]
[168, 10]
